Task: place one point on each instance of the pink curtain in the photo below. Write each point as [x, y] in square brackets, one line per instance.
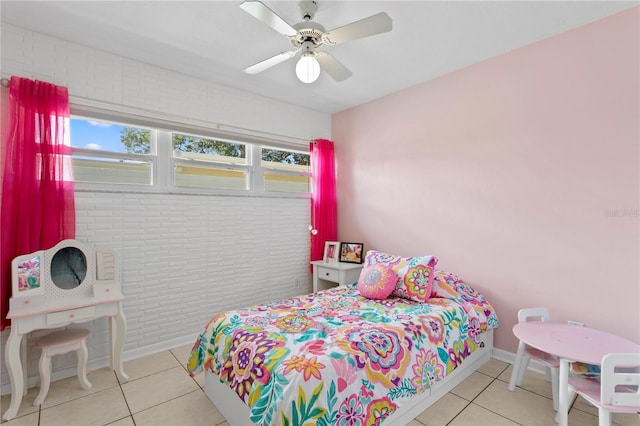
[324, 208]
[37, 187]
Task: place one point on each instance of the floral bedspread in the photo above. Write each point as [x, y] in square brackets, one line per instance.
[335, 357]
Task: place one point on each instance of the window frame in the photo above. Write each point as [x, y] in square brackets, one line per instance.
[152, 157]
[163, 160]
[212, 164]
[283, 172]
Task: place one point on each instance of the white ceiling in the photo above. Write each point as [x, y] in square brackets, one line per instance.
[216, 40]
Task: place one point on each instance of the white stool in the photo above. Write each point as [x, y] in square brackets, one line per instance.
[58, 343]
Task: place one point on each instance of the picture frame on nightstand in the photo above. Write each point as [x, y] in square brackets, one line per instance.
[331, 251]
[351, 252]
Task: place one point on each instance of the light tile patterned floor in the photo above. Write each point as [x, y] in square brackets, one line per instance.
[160, 392]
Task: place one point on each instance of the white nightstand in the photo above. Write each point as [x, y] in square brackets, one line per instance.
[327, 275]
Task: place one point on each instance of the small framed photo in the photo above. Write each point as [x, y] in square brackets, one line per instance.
[351, 252]
[331, 251]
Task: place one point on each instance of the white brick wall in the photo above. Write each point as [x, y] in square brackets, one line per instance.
[183, 257]
[187, 257]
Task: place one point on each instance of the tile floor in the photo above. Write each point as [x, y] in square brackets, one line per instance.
[160, 392]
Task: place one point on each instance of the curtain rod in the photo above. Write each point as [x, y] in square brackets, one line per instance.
[5, 82]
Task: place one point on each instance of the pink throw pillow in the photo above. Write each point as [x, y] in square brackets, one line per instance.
[376, 281]
[414, 275]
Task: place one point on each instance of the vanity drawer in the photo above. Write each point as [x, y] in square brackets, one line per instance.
[105, 290]
[328, 274]
[71, 315]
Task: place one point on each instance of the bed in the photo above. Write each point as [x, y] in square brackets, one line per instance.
[336, 357]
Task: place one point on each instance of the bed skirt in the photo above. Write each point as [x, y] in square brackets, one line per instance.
[237, 413]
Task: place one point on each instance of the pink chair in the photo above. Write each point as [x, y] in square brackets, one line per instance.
[618, 390]
[526, 353]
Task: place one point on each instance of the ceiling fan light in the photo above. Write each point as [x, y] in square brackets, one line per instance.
[307, 68]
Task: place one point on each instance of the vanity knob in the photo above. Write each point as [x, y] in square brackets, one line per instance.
[327, 274]
[26, 302]
[71, 315]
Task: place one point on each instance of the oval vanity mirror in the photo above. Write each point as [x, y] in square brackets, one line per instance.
[68, 268]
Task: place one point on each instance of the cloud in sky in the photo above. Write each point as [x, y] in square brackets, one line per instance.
[98, 124]
[93, 146]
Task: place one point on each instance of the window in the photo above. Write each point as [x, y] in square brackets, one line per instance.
[201, 162]
[286, 171]
[111, 153]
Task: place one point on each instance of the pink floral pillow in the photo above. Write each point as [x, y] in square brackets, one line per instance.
[414, 274]
[376, 281]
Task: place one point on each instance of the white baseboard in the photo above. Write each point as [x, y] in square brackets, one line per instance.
[504, 356]
[159, 347]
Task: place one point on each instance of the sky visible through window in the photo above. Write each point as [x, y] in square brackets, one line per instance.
[105, 136]
[96, 135]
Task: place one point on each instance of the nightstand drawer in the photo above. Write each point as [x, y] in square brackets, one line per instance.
[63, 317]
[328, 274]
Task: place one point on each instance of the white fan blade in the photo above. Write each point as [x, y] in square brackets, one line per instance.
[332, 66]
[258, 10]
[376, 24]
[268, 63]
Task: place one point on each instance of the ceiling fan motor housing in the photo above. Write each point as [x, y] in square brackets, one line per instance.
[308, 32]
[307, 9]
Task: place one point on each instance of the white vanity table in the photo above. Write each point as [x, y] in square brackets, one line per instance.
[85, 286]
[328, 274]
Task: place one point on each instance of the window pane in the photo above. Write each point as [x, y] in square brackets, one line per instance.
[286, 183]
[102, 170]
[208, 177]
[204, 149]
[105, 136]
[285, 160]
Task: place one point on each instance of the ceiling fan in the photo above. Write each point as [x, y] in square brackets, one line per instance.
[307, 35]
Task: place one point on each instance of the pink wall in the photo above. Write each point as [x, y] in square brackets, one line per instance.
[520, 173]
